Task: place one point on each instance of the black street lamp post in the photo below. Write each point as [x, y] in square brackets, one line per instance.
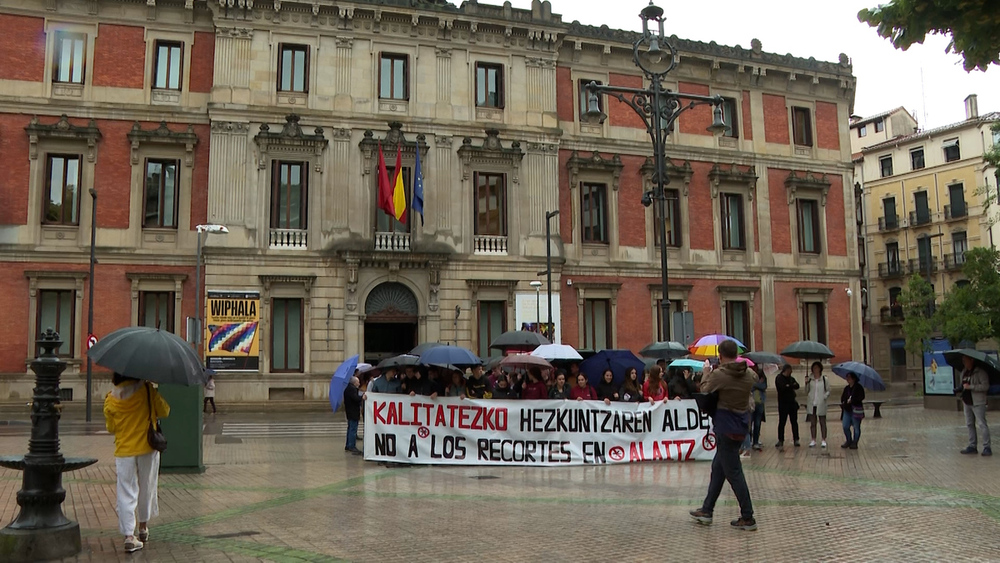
[659, 108]
[548, 270]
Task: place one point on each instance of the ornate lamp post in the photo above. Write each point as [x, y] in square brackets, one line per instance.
[41, 531]
[659, 108]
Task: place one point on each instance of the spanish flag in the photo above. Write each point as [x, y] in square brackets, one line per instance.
[398, 191]
[384, 187]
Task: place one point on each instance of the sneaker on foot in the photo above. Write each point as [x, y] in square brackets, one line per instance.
[970, 450]
[748, 524]
[745, 453]
[812, 443]
[779, 444]
[822, 444]
[143, 535]
[132, 544]
[987, 452]
[758, 447]
[797, 443]
[701, 516]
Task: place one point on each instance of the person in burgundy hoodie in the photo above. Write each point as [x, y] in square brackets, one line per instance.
[534, 388]
[583, 391]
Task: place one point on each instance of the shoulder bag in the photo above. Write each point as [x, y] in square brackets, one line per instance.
[154, 435]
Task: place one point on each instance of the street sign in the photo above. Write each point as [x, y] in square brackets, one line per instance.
[91, 340]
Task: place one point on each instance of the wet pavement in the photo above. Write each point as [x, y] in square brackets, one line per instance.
[281, 488]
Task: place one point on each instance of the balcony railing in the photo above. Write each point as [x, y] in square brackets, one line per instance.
[289, 239]
[954, 262]
[888, 223]
[955, 212]
[392, 242]
[892, 269]
[919, 218]
[491, 245]
[891, 315]
[921, 266]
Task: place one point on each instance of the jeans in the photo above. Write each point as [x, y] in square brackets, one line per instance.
[757, 419]
[726, 466]
[822, 424]
[974, 415]
[850, 421]
[352, 434]
[790, 413]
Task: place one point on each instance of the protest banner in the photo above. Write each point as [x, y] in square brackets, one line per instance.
[456, 431]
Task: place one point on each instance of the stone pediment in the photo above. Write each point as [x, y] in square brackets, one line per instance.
[595, 163]
[163, 136]
[63, 130]
[394, 140]
[682, 172]
[491, 152]
[292, 141]
[809, 182]
[733, 175]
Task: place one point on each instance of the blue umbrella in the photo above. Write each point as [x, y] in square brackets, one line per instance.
[686, 363]
[339, 381]
[867, 377]
[618, 361]
[444, 355]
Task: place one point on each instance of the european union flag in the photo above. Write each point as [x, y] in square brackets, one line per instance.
[417, 204]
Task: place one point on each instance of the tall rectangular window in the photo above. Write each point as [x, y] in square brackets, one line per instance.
[879, 125]
[885, 165]
[289, 195]
[594, 207]
[286, 335]
[731, 117]
[960, 243]
[491, 204]
[676, 305]
[156, 309]
[293, 68]
[917, 158]
[952, 151]
[889, 212]
[956, 196]
[393, 80]
[585, 97]
[809, 235]
[814, 322]
[70, 58]
[892, 257]
[62, 190]
[492, 320]
[596, 324]
[673, 206]
[385, 223]
[56, 310]
[160, 194]
[732, 222]
[738, 320]
[168, 65]
[489, 85]
[923, 211]
[862, 131]
[923, 254]
[802, 126]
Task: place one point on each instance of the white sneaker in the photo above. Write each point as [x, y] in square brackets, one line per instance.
[132, 544]
[812, 444]
[823, 444]
[746, 453]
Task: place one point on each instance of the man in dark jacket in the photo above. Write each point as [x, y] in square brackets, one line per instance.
[352, 408]
[681, 386]
[478, 386]
[733, 382]
[788, 407]
[503, 390]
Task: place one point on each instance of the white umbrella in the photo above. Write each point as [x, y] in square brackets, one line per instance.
[364, 367]
[556, 352]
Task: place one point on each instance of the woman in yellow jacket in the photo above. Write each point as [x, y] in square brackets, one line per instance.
[137, 464]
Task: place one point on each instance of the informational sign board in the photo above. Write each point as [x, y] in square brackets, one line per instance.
[939, 377]
[232, 335]
[452, 431]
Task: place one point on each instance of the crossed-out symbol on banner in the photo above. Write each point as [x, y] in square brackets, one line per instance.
[617, 453]
[708, 442]
[423, 432]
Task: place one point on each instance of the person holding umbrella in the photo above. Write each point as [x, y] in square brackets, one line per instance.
[129, 411]
[852, 400]
[352, 408]
[975, 384]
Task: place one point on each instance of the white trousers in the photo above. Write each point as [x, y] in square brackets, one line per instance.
[137, 490]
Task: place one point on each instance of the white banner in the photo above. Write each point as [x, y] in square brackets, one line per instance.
[454, 431]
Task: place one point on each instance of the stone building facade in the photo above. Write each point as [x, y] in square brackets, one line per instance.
[289, 104]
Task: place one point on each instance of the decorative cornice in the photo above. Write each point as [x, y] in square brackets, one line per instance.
[230, 127]
[291, 139]
[65, 131]
[53, 274]
[595, 164]
[269, 280]
[163, 136]
[393, 140]
[150, 276]
[479, 283]
[808, 182]
[732, 175]
[492, 152]
[683, 172]
[750, 289]
[804, 293]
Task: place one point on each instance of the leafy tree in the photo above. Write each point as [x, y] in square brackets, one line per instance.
[982, 269]
[974, 26]
[918, 322]
[959, 318]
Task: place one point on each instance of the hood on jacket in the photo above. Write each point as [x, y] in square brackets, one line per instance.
[735, 369]
[128, 396]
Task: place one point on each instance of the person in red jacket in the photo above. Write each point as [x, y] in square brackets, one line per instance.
[583, 391]
[654, 389]
[534, 388]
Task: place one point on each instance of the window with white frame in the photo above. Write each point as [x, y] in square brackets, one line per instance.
[69, 58]
[168, 64]
[952, 152]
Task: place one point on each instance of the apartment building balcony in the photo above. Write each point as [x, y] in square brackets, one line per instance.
[921, 266]
[918, 218]
[954, 262]
[392, 242]
[288, 239]
[888, 223]
[893, 269]
[955, 212]
[490, 245]
[891, 315]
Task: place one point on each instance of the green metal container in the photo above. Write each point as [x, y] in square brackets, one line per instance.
[183, 430]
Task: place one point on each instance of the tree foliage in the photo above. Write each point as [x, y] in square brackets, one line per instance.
[918, 323]
[958, 318]
[974, 26]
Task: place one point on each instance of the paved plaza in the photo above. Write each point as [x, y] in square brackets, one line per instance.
[280, 488]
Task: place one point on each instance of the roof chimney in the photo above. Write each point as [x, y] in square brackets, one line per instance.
[971, 107]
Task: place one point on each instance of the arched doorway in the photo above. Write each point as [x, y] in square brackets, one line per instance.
[390, 321]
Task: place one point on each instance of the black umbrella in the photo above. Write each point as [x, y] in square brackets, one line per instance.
[453, 355]
[399, 361]
[149, 354]
[990, 365]
[765, 358]
[807, 350]
[421, 348]
[519, 339]
[668, 350]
